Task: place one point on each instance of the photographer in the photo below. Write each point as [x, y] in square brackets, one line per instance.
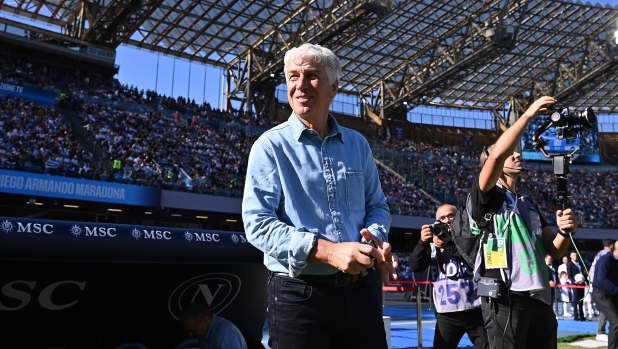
[517, 311]
[454, 290]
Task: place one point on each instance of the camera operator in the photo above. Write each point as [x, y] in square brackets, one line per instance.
[458, 307]
[519, 314]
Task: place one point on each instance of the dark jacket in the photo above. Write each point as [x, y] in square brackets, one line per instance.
[572, 270]
[606, 275]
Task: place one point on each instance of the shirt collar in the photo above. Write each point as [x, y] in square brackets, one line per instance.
[209, 333]
[298, 127]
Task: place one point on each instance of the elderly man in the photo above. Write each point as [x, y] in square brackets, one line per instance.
[312, 194]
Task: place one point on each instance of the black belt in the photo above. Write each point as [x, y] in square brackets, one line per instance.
[338, 279]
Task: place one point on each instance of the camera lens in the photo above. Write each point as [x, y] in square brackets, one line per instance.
[587, 118]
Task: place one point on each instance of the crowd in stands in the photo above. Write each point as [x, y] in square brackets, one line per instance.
[205, 150]
[19, 72]
[593, 194]
[35, 138]
[403, 198]
[150, 149]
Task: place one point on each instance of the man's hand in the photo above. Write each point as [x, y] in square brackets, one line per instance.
[441, 242]
[385, 260]
[426, 235]
[540, 106]
[566, 221]
[352, 257]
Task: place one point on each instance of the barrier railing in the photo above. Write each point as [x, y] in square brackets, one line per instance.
[411, 286]
[403, 286]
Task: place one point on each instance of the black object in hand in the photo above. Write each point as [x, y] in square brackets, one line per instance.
[439, 229]
[373, 244]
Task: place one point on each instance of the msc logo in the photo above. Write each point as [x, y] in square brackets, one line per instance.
[238, 238]
[151, 234]
[204, 237]
[157, 235]
[95, 231]
[37, 228]
[20, 296]
[216, 290]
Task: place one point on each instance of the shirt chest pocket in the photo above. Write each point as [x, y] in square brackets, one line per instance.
[355, 191]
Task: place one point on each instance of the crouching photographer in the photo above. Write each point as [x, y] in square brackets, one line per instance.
[454, 290]
[513, 283]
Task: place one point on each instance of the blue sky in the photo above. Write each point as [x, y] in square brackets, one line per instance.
[139, 68]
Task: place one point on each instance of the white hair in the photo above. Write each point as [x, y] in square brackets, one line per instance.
[319, 54]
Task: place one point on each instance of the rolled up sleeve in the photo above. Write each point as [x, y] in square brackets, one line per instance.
[378, 217]
[289, 245]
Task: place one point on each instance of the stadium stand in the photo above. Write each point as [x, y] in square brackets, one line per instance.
[174, 143]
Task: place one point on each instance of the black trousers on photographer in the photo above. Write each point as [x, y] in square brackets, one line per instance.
[516, 321]
[450, 328]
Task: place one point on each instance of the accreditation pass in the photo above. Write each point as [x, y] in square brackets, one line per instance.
[495, 253]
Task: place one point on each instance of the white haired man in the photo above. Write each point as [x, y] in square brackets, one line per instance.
[312, 193]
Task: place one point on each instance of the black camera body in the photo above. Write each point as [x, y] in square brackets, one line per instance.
[568, 124]
[439, 229]
[488, 287]
[372, 244]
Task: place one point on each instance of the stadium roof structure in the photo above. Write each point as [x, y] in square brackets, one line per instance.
[396, 55]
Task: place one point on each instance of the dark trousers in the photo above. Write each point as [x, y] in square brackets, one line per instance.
[304, 315]
[578, 303]
[578, 309]
[602, 323]
[450, 327]
[608, 305]
[514, 322]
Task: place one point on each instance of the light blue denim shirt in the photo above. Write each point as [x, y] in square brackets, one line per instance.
[300, 188]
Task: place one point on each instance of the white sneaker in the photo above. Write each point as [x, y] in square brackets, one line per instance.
[567, 314]
[602, 337]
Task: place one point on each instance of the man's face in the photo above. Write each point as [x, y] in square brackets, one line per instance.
[197, 328]
[548, 260]
[446, 214]
[513, 161]
[565, 259]
[574, 256]
[309, 92]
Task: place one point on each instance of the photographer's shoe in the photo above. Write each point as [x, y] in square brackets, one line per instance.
[601, 337]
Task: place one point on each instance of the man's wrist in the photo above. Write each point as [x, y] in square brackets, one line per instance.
[566, 235]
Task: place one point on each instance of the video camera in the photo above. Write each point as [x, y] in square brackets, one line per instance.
[439, 229]
[568, 124]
